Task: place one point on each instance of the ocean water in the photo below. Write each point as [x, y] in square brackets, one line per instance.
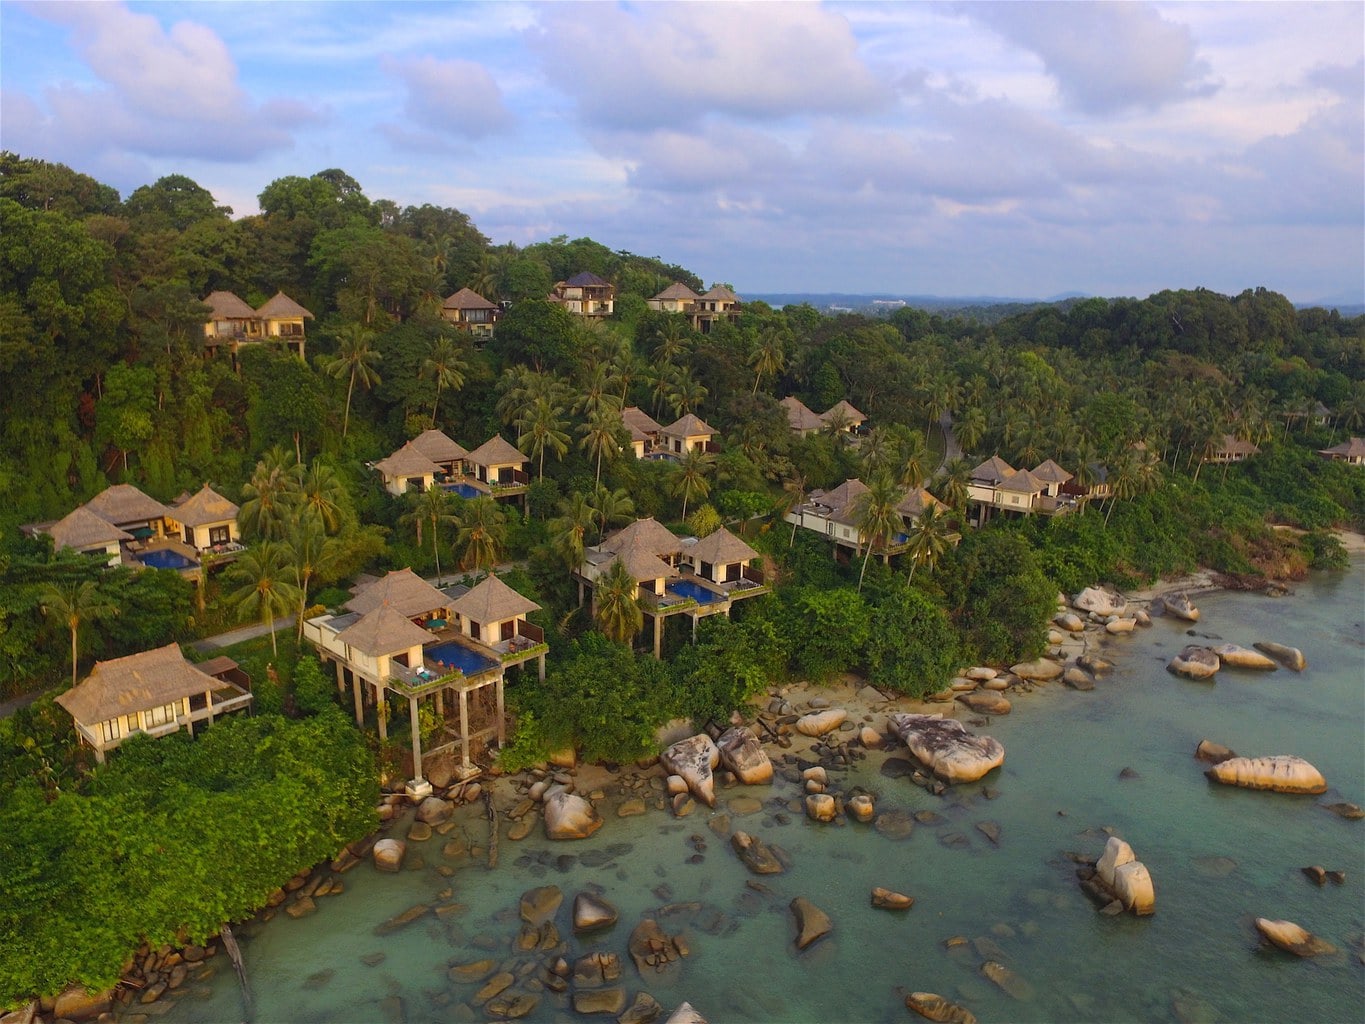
[1219, 857]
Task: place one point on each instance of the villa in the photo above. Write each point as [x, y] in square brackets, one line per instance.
[406, 470]
[1351, 452]
[448, 455]
[676, 298]
[470, 311]
[687, 433]
[676, 575]
[1231, 449]
[834, 514]
[232, 323]
[995, 485]
[804, 422]
[155, 692]
[401, 635]
[208, 521]
[500, 467]
[644, 431]
[704, 311]
[585, 295]
[431, 458]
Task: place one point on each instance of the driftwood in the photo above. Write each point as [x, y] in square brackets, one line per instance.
[235, 955]
[492, 827]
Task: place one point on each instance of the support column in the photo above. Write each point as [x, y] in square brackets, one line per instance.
[580, 591]
[359, 697]
[540, 669]
[441, 703]
[383, 711]
[658, 637]
[694, 629]
[416, 738]
[341, 678]
[208, 704]
[502, 716]
[464, 727]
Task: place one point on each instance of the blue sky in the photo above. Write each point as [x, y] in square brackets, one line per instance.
[937, 148]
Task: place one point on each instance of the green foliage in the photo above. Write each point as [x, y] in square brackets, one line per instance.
[1324, 550]
[912, 647]
[730, 665]
[998, 597]
[313, 691]
[702, 521]
[826, 631]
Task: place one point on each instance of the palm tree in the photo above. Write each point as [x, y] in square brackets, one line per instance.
[837, 424]
[970, 428]
[768, 358]
[444, 365]
[626, 368]
[269, 495]
[952, 485]
[912, 458]
[515, 387]
[320, 492]
[613, 508]
[593, 391]
[693, 469]
[928, 539]
[672, 335]
[601, 436]
[544, 425]
[875, 451]
[492, 274]
[82, 602]
[1124, 481]
[314, 554]
[793, 494]
[483, 528]
[433, 506]
[569, 530]
[619, 615]
[876, 517]
[356, 359]
[685, 393]
[264, 572]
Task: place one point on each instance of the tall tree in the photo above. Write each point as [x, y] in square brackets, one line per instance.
[312, 554]
[483, 528]
[446, 367]
[76, 604]
[266, 592]
[928, 539]
[356, 359]
[690, 478]
[876, 517]
[433, 505]
[320, 493]
[542, 427]
[602, 436]
[613, 508]
[569, 530]
[618, 612]
[269, 496]
[768, 357]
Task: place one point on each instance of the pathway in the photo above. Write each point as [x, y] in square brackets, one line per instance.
[237, 636]
[951, 449]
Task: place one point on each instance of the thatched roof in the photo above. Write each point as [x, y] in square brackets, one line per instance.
[992, 471]
[1351, 449]
[497, 451]
[381, 631]
[1023, 482]
[1236, 446]
[467, 298]
[719, 293]
[438, 447]
[799, 415]
[493, 601]
[402, 590]
[637, 420]
[842, 497]
[587, 279]
[139, 682]
[721, 547]
[916, 502]
[124, 503]
[83, 529]
[282, 307]
[407, 461]
[842, 406]
[227, 306]
[1049, 472]
[678, 290]
[217, 666]
[641, 562]
[655, 537]
[204, 507]
[689, 426]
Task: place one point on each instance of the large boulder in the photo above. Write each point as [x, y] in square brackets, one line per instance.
[1101, 602]
[742, 754]
[693, 760]
[1069, 621]
[986, 702]
[539, 905]
[1195, 662]
[1133, 886]
[388, 854]
[1116, 854]
[755, 854]
[433, 810]
[889, 899]
[1180, 606]
[817, 723]
[75, 1003]
[812, 923]
[1241, 657]
[1289, 657]
[1281, 773]
[569, 816]
[1039, 670]
[684, 1014]
[934, 1007]
[1293, 938]
[1119, 627]
[820, 807]
[592, 912]
[944, 744]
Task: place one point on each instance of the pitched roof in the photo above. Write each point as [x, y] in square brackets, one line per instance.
[641, 562]
[637, 419]
[655, 537]
[678, 290]
[139, 682]
[403, 590]
[719, 293]
[438, 447]
[467, 298]
[586, 279]
[497, 451]
[1049, 472]
[1023, 481]
[916, 502]
[407, 461]
[281, 306]
[1351, 449]
[689, 426]
[992, 471]
[850, 413]
[799, 415]
[81, 528]
[721, 546]
[124, 503]
[203, 507]
[227, 306]
[493, 601]
[383, 630]
[841, 497]
[1236, 446]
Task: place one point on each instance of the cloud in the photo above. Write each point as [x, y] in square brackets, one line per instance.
[670, 64]
[1104, 57]
[165, 93]
[448, 100]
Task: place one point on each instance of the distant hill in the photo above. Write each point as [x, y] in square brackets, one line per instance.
[974, 306]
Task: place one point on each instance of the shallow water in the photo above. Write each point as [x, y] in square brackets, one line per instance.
[1218, 856]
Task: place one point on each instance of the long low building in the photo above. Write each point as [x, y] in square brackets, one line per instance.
[833, 514]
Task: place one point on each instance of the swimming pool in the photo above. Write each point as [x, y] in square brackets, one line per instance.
[458, 656]
[698, 593]
[165, 559]
[464, 490]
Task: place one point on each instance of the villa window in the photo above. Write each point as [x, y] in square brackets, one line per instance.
[130, 725]
[219, 535]
[161, 715]
[109, 730]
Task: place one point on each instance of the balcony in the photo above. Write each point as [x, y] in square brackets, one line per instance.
[527, 642]
[668, 603]
[510, 481]
[751, 583]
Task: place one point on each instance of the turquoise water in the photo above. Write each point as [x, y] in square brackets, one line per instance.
[165, 559]
[1218, 856]
[694, 590]
[458, 656]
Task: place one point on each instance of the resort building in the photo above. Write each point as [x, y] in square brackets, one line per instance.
[805, 422]
[433, 459]
[400, 635]
[208, 522]
[834, 514]
[156, 692]
[500, 467]
[1351, 452]
[448, 455]
[470, 311]
[703, 311]
[676, 575]
[1231, 449]
[232, 323]
[585, 295]
[843, 412]
[687, 433]
[86, 533]
[676, 298]
[644, 431]
[406, 470]
[996, 486]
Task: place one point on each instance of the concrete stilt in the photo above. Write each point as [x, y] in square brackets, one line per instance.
[341, 678]
[658, 637]
[416, 738]
[540, 668]
[383, 707]
[502, 716]
[359, 698]
[464, 728]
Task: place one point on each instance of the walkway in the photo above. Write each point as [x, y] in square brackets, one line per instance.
[951, 449]
[237, 636]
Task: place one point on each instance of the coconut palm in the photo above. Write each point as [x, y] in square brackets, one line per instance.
[970, 428]
[483, 528]
[837, 425]
[312, 554]
[768, 357]
[619, 615]
[613, 508]
[929, 537]
[594, 391]
[356, 359]
[601, 435]
[911, 460]
[1124, 481]
[626, 369]
[433, 507]
[685, 393]
[952, 484]
[793, 495]
[264, 573]
[514, 388]
[444, 365]
[671, 337]
[693, 469]
[542, 427]
[876, 517]
[875, 451]
[74, 605]
[569, 530]
[269, 496]
[319, 492]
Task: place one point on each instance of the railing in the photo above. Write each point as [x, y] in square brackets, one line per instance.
[528, 641]
[520, 478]
[666, 602]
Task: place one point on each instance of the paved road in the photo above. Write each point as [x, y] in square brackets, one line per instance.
[951, 449]
[236, 636]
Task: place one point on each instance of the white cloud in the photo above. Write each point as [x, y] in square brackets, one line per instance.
[450, 101]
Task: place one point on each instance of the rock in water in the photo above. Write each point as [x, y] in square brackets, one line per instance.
[433, 810]
[1133, 886]
[388, 854]
[693, 760]
[889, 899]
[755, 854]
[1349, 811]
[1116, 853]
[684, 1014]
[820, 722]
[1289, 936]
[812, 923]
[1282, 773]
[986, 702]
[820, 807]
[936, 1008]
[1212, 752]
[1180, 606]
[591, 913]
[601, 1000]
[1289, 657]
[1078, 679]
[1007, 980]
[1241, 657]
[945, 745]
[643, 1010]
[569, 816]
[741, 752]
[1194, 662]
[1038, 670]
[1120, 627]
[539, 905]
[1093, 599]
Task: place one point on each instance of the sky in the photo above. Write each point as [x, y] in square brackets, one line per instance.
[1017, 149]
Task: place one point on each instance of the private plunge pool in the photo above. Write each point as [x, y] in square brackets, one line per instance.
[698, 593]
[166, 559]
[457, 656]
[464, 490]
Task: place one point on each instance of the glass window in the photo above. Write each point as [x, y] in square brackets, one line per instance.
[218, 534]
[109, 730]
